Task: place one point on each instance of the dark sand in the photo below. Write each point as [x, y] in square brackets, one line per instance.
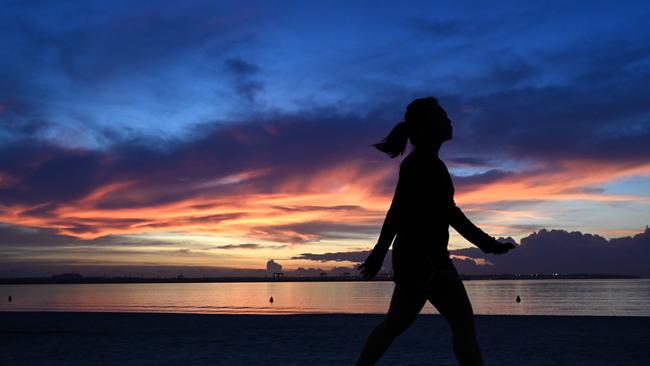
[182, 339]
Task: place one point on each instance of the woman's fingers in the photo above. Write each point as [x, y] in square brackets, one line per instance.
[367, 273]
[369, 268]
[502, 248]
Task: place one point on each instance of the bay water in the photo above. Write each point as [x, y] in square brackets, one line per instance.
[599, 297]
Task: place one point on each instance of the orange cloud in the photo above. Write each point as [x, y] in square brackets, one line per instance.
[346, 195]
[564, 184]
[244, 214]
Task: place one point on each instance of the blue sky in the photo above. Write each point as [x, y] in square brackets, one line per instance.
[157, 68]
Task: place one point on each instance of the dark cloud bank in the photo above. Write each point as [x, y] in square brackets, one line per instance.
[543, 252]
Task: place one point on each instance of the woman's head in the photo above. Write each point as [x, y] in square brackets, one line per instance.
[425, 124]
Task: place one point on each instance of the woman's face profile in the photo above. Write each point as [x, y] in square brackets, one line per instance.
[444, 125]
[437, 125]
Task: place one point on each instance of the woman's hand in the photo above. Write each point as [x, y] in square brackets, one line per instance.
[495, 247]
[371, 266]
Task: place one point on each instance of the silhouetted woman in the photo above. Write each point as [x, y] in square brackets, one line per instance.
[423, 207]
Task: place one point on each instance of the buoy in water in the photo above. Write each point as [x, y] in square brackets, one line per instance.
[518, 299]
[271, 300]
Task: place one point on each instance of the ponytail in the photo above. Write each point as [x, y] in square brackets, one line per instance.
[395, 143]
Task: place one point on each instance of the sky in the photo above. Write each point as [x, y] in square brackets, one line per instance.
[159, 137]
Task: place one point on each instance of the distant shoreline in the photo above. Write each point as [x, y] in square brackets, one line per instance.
[180, 279]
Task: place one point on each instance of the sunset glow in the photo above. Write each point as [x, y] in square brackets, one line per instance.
[232, 141]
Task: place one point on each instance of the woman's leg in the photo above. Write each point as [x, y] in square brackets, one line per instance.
[405, 305]
[448, 295]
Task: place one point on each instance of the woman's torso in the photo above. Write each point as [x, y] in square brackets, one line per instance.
[425, 191]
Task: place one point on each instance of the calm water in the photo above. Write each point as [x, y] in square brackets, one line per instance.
[621, 297]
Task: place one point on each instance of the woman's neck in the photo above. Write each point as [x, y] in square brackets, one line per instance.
[429, 149]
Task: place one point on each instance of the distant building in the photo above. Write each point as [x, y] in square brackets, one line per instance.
[278, 274]
[273, 267]
[323, 274]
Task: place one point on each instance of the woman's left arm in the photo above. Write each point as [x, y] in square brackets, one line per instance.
[474, 234]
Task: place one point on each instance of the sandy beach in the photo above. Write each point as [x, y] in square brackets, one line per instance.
[51, 338]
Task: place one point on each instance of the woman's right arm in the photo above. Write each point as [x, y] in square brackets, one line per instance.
[389, 228]
[393, 216]
[373, 263]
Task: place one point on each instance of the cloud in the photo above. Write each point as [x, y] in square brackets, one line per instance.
[469, 161]
[490, 176]
[93, 73]
[355, 257]
[204, 182]
[246, 246]
[19, 237]
[244, 74]
[559, 251]
[543, 252]
[337, 228]
[238, 246]
[31, 250]
[124, 40]
[318, 208]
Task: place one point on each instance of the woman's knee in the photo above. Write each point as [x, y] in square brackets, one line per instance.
[463, 328]
[461, 322]
[394, 327]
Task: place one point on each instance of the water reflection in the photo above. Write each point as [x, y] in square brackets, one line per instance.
[621, 297]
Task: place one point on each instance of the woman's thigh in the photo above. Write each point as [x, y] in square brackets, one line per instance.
[405, 305]
[447, 293]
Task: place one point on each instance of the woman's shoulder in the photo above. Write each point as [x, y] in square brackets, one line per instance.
[423, 166]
